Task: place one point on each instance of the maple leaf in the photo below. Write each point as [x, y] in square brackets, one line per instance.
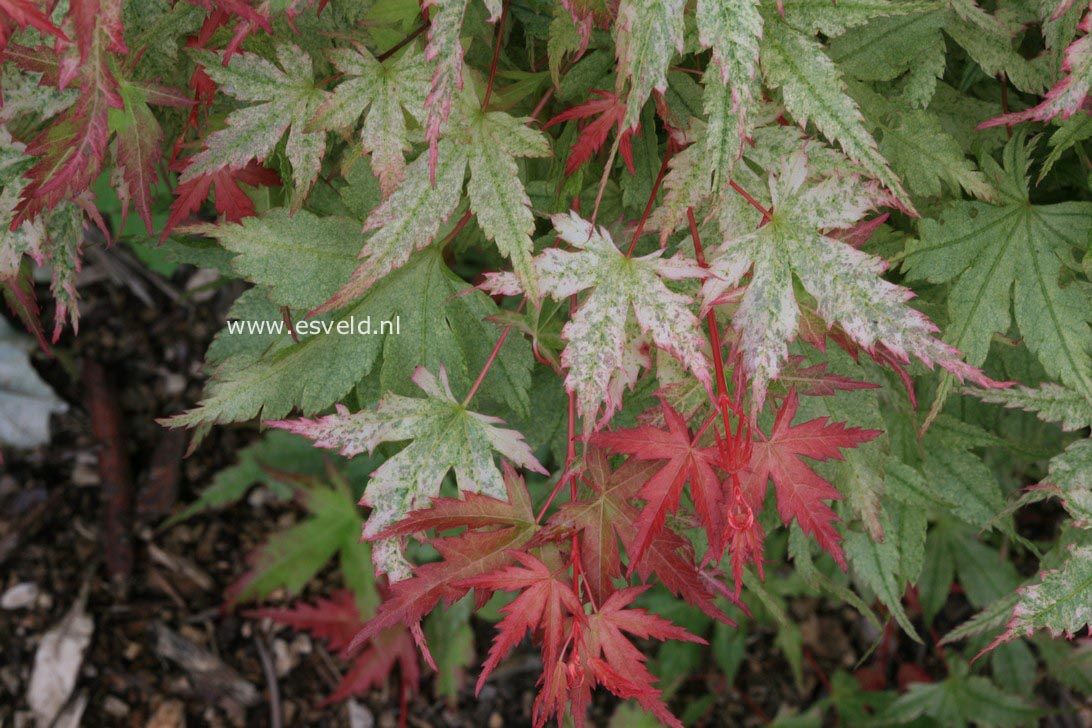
[139, 144]
[336, 621]
[229, 198]
[800, 490]
[284, 99]
[333, 527]
[815, 381]
[844, 281]
[616, 663]
[384, 91]
[495, 528]
[445, 436]
[596, 334]
[647, 33]
[72, 149]
[22, 14]
[1009, 256]
[608, 111]
[540, 609]
[683, 461]
[608, 517]
[1071, 93]
[813, 90]
[733, 29]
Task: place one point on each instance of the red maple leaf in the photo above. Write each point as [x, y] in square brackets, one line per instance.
[231, 201]
[545, 604]
[685, 460]
[606, 111]
[801, 491]
[335, 621]
[814, 381]
[21, 14]
[464, 556]
[607, 517]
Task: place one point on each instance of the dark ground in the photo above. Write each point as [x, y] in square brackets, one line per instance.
[56, 533]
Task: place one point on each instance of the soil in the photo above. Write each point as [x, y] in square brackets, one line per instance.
[57, 533]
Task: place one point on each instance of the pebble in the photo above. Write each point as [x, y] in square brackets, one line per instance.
[20, 596]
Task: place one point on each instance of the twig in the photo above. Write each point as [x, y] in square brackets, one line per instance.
[402, 43]
[275, 719]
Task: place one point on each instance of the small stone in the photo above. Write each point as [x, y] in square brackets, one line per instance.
[85, 473]
[20, 596]
[115, 707]
[132, 651]
[359, 715]
[495, 720]
[169, 714]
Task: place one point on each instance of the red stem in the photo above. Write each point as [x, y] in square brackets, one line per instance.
[402, 43]
[651, 199]
[754, 203]
[496, 55]
[488, 364]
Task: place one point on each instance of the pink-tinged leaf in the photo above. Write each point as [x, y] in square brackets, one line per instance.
[446, 49]
[481, 549]
[801, 491]
[18, 291]
[22, 14]
[335, 620]
[1069, 95]
[814, 381]
[544, 604]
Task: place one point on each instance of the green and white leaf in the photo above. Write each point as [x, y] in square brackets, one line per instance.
[497, 196]
[381, 94]
[1050, 402]
[445, 436]
[597, 333]
[1061, 602]
[733, 29]
[283, 98]
[813, 90]
[647, 34]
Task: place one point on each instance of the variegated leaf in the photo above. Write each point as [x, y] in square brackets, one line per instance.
[445, 436]
[647, 33]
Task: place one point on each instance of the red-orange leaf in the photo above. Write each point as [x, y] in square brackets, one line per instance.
[684, 461]
[605, 112]
[231, 201]
[801, 491]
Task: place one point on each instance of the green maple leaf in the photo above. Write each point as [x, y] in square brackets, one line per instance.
[283, 98]
[1050, 403]
[380, 93]
[411, 217]
[733, 29]
[441, 323]
[846, 283]
[599, 346]
[290, 559]
[1009, 256]
[446, 436]
[960, 700]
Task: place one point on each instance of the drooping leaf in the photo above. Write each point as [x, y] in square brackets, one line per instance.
[605, 111]
[647, 34]
[230, 199]
[733, 29]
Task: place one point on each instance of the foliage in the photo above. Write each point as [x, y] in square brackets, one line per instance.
[657, 255]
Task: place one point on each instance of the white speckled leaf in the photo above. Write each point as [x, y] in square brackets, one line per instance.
[283, 100]
[446, 49]
[1061, 602]
[1070, 478]
[647, 33]
[812, 89]
[733, 29]
[597, 333]
[845, 282]
[407, 221]
[497, 195]
[445, 436]
[379, 92]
